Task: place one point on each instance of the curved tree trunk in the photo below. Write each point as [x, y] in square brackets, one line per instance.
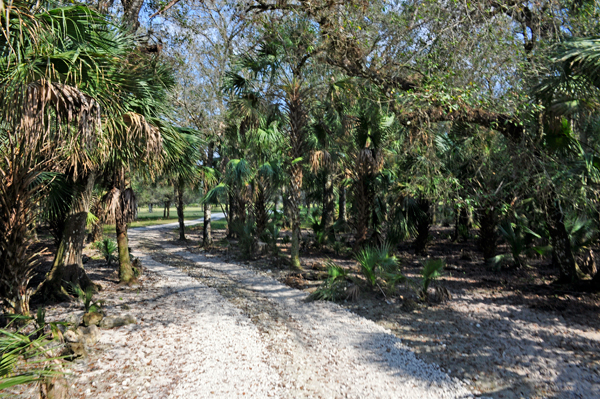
[180, 189]
[68, 265]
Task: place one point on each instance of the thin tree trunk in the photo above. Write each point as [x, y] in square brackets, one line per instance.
[207, 229]
[328, 202]
[294, 202]
[362, 204]
[297, 121]
[68, 264]
[126, 274]
[180, 189]
[232, 216]
[150, 208]
[285, 200]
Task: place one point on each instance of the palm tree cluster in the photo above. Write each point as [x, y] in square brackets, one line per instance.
[390, 117]
[82, 108]
[386, 148]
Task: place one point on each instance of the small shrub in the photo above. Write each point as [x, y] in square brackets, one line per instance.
[107, 248]
[332, 288]
[286, 240]
[25, 358]
[375, 262]
[84, 296]
[432, 269]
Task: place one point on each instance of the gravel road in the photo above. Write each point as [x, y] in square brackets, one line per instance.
[222, 330]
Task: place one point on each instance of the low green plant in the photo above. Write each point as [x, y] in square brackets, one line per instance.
[376, 262]
[85, 296]
[432, 269]
[582, 232]
[107, 248]
[25, 358]
[286, 240]
[332, 288]
[519, 238]
[338, 247]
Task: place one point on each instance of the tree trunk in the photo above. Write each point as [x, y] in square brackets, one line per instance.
[207, 229]
[68, 264]
[362, 207]
[126, 274]
[232, 216]
[180, 188]
[343, 216]
[562, 256]
[297, 123]
[294, 205]
[328, 202]
[150, 208]
[487, 231]
[423, 225]
[462, 225]
[131, 11]
[261, 215]
[285, 200]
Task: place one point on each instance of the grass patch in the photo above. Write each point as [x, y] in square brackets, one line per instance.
[146, 218]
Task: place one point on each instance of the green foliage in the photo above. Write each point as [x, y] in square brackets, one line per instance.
[107, 248]
[432, 269]
[379, 267]
[25, 358]
[582, 232]
[338, 247]
[332, 288]
[375, 262]
[84, 296]
[519, 238]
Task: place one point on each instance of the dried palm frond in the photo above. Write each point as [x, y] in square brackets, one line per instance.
[319, 159]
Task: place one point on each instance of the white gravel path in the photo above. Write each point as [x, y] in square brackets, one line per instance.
[206, 346]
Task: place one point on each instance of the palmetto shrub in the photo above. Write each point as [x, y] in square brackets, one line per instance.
[107, 248]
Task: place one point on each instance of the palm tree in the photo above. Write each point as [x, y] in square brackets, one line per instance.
[282, 67]
[49, 118]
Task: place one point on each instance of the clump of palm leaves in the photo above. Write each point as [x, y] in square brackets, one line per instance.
[379, 267]
[432, 269]
[86, 297]
[107, 248]
[333, 287]
[26, 358]
[519, 238]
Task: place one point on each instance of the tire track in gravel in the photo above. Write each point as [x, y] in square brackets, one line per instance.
[318, 350]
